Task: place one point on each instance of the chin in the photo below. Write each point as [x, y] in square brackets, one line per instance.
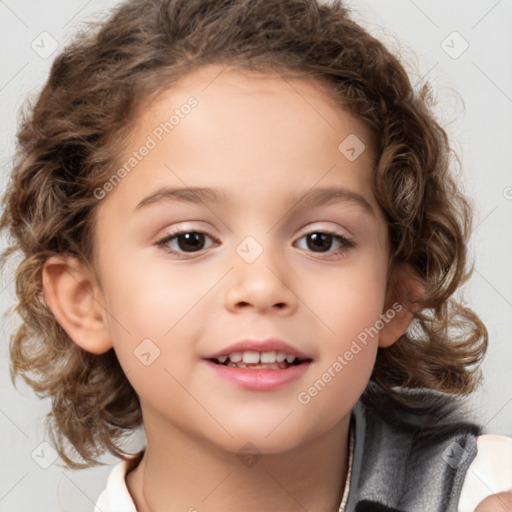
[265, 440]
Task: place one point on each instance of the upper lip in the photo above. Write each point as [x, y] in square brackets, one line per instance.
[254, 345]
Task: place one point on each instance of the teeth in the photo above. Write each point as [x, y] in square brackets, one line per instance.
[251, 357]
[268, 357]
[235, 357]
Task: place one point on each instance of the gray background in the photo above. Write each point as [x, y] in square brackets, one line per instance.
[473, 86]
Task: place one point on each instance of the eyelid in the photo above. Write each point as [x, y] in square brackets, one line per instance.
[335, 229]
[332, 228]
[186, 227]
[180, 231]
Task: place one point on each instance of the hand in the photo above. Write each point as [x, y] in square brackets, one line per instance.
[501, 502]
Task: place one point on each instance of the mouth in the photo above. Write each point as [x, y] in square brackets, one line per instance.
[253, 360]
[259, 365]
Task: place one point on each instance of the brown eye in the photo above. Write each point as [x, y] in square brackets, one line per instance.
[184, 241]
[323, 241]
[190, 241]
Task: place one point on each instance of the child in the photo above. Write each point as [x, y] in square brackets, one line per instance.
[173, 184]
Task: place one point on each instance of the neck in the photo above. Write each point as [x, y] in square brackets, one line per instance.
[178, 472]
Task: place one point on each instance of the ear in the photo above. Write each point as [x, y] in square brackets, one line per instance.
[74, 296]
[404, 290]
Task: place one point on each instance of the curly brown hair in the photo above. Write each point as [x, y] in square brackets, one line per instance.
[71, 139]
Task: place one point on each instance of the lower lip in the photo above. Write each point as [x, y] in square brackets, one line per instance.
[259, 380]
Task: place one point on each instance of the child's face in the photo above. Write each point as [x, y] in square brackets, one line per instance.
[263, 142]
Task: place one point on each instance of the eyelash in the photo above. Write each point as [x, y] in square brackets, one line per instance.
[345, 242]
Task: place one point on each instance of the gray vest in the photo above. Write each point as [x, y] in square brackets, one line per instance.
[413, 457]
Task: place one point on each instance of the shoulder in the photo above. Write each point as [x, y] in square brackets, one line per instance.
[116, 497]
[489, 473]
[412, 450]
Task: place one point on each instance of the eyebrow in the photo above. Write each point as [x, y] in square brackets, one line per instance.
[312, 198]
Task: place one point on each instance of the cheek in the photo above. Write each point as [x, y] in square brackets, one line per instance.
[350, 310]
[157, 314]
[145, 308]
[349, 302]
[349, 299]
[149, 299]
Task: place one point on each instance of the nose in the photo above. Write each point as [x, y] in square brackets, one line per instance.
[262, 286]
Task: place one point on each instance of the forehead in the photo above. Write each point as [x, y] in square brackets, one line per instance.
[214, 78]
[246, 132]
[258, 98]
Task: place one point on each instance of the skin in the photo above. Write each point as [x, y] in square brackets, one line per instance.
[262, 139]
[501, 502]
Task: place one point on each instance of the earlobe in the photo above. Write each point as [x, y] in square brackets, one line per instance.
[404, 290]
[72, 293]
